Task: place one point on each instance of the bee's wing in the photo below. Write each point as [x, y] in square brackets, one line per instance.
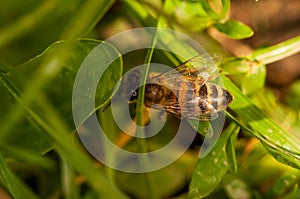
[199, 68]
[172, 106]
[201, 110]
[204, 63]
[191, 110]
[205, 117]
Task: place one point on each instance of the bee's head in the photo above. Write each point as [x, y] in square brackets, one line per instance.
[129, 86]
[133, 96]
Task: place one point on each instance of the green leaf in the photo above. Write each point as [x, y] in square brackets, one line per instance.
[258, 75]
[87, 16]
[293, 99]
[34, 140]
[210, 12]
[204, 128]
[234, 29]
[242, 71]
[59, 91]
[16, 187]
[235, 66]
[283, 145]
[230, 150]
[225, 9]
[210, 170]
[267, 101]
[24, 155]
[70, 189]
[140, 13]
[189, 13]
[46, 118]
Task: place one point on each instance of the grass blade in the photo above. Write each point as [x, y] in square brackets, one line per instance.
[16, 187]
[283, 145]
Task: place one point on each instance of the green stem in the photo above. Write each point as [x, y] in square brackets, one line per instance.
[139, 12]
[69, 187]
[277, 52]
[140, 118]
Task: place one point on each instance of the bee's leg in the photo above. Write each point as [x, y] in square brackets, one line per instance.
[213, 77]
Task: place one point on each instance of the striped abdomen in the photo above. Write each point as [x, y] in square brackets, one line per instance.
[215, 95]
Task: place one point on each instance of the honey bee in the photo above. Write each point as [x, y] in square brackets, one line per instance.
[184, 91]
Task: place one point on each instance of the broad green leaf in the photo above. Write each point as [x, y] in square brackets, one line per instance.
[210, 11]
[234, 29]
[225, 8]
[242, 71]
[189, 13]
[83, 20]
[267, 101]
[283, 145]
[204, 128]
[44, 116]
[59, 91]
[257, 74]
[210, 170]
[26, 134]
[235, 66]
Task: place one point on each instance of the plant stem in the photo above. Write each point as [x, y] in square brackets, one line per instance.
[277, 52]
[140, 118]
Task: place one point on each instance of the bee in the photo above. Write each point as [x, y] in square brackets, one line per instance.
[183, 91]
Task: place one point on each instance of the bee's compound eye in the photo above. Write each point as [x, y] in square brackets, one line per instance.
[133, 95]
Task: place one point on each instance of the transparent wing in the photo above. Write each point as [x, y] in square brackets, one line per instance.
[191, 110]
[201, 110]
[205, 117]
[205, 64]
[197, 69]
